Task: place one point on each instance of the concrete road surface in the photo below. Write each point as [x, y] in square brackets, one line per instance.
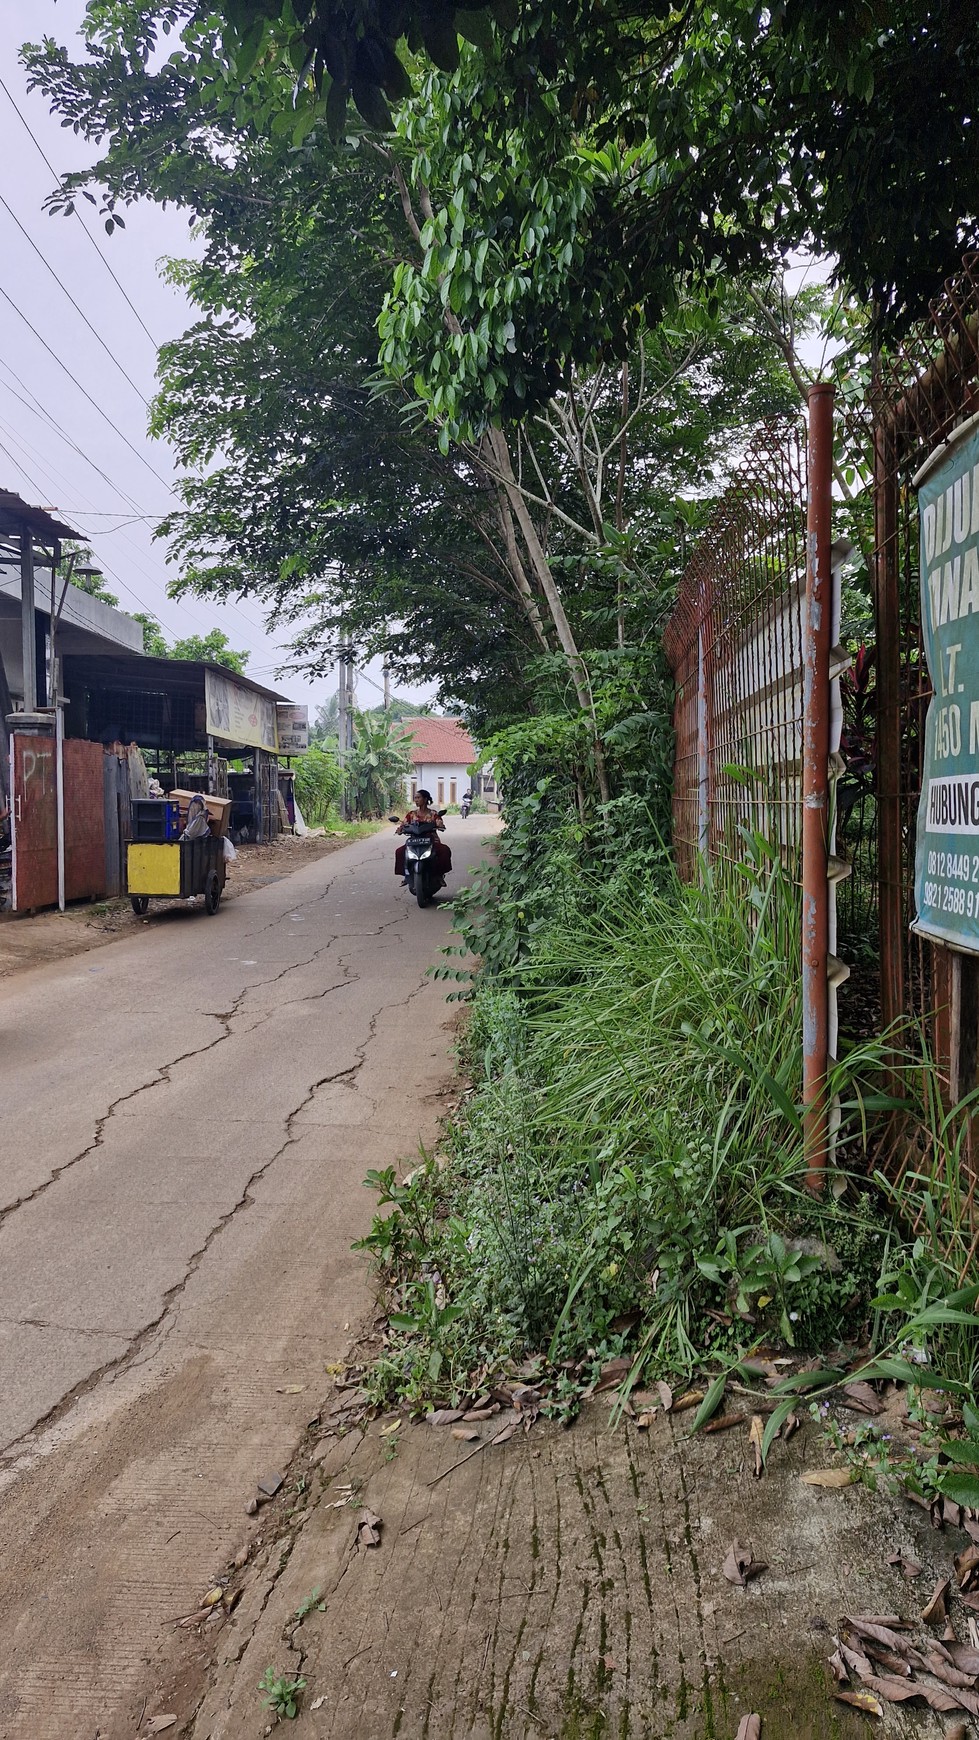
[185, 1121]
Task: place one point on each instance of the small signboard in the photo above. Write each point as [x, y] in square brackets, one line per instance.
[293, 729]
[946, 879]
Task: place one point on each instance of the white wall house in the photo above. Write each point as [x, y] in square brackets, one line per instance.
[442, 752]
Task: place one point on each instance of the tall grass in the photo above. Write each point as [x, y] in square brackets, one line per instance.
[637, 1125]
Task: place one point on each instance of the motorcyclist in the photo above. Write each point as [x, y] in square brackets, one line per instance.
[466, 805]
[421, 811]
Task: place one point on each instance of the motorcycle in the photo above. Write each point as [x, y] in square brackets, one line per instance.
[465, 807]
[424, 879]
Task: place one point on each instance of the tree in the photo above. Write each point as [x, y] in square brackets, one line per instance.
[213, 648]
[155, 643]
[376, 768]
[319, 782]
[850, 124]
[84, 574]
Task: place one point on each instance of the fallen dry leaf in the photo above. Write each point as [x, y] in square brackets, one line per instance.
[934, 1613]
[159, 1724]
[861, 1396]
[392, 1426]
[755, 1435]
[723, 1423]
[856, 1661]
[444, 1416]
[613, 1372]
[212, 1597]
[481, 1413]
[838, 1668]
[689, 1399]
[948, 1674]
[740, 1567]
[465, 1434]
[828, 1477]
[965, 1564]
[908, 1568]
[749, 1728]
[290, 1389]
[958, 1731]
[368, 1529]
[864, 1701]
[645, 1420]
[505, 1434]
[665, 1394]
[895, 1690]
[790, 1425]
[963, 1655]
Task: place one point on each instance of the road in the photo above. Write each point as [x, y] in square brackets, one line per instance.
[187, 1117]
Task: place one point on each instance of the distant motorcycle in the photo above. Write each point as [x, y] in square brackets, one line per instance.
[421, 869]
[465, 806]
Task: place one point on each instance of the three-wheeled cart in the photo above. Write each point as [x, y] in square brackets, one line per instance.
[175, 870]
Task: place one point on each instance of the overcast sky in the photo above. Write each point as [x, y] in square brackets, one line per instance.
[54, 437]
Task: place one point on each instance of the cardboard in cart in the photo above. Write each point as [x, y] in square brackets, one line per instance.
[218, 810]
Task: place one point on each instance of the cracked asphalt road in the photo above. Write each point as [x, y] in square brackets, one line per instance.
[187, 1119]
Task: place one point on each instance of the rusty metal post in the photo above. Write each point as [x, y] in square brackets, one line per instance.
[818, 626]
[889, 799]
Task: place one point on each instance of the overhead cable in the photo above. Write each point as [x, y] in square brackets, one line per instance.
[45, 262]
[75, 382]
[76, 213]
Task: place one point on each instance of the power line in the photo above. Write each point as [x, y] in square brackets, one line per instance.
[45, 262]
[95, 406]
[38, 410]
[52, 472]
[75, 212]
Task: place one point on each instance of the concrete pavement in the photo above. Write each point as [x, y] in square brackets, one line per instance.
[186, 1120]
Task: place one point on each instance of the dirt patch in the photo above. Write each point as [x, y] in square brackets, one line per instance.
[568, 1584]
[53, 936]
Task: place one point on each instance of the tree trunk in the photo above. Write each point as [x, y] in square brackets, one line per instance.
[541, 569]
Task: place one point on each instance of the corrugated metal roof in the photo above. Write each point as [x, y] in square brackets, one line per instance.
[15, 513]
[436, 741]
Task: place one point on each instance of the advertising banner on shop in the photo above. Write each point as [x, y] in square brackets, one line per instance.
[237, 715]
[293, 725]
[946, 880]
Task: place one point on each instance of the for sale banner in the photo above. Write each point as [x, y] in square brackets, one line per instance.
[947, 856]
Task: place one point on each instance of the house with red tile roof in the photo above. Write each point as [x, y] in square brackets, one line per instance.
[442, 753]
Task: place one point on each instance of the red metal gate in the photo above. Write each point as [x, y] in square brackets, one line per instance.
[35, 823]
[85, 868]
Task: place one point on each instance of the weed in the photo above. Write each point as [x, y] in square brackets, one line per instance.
[282, 1694]
[311, 1603]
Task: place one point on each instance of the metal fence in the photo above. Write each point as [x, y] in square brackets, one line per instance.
[920, 395]
[734, 641]
[753, 647]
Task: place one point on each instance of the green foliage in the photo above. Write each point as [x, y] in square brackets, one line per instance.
[319, 782]
[629, 1170]
[311, 1603]
[376, 768]
[213, 648]
[91, 582]
[282, 1693]
[155, 643]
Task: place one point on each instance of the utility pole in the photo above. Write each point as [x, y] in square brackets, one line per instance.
[342, 724]
[387, 690]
